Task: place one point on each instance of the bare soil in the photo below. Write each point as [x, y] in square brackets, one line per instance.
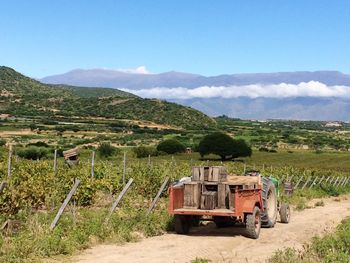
[226, 244]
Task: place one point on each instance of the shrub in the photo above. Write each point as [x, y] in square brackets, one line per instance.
[171, 146]
[2, 142]
[143, 151]
[33, 153]
[105, 149]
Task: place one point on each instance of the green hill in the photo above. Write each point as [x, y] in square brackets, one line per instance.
[23, 96]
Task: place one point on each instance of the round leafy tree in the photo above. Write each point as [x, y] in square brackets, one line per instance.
[171, 146]
[223, 145]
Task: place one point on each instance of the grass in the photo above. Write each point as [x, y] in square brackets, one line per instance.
[333, 247]
[36, 241]
[300, 197]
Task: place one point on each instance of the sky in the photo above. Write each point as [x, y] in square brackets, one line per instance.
[41, 38]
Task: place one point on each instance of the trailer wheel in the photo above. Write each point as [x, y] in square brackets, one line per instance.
[182, 224]
[285, 213]
[253, 223]
[223, 221]
[269, 197]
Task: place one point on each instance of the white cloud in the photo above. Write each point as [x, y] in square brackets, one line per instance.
[138, 70]
[282, 90]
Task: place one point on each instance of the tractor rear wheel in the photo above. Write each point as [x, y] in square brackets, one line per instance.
[182, 224]
[253, 223]
[269, 197]
[285, 213]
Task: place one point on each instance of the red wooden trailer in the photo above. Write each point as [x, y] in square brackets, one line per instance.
[212, 194]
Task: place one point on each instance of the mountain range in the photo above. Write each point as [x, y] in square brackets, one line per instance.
[303, 95]
[22, 96]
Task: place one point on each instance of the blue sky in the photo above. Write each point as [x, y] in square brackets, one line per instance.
[40, 38]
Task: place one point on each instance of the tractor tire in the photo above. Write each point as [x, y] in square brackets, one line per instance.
[223, 221]
[269, 198]
[182, 224]
[285, 213]
[253, 224]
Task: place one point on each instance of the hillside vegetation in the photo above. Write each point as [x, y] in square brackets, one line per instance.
[23, 96]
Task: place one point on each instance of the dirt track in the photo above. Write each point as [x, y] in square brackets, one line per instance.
[225, 245]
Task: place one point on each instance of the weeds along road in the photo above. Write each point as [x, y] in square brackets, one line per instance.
[226, 244]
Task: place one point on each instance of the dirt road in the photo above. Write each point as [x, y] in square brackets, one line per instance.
[225, 245]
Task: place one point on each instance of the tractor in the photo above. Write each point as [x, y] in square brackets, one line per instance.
[210, 193]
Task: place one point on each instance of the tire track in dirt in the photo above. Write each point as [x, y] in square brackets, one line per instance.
[226, 244]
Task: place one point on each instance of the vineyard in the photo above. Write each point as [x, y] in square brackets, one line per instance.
[35, 190]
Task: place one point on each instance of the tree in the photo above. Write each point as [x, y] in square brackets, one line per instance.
[223, 145]
[171, 146]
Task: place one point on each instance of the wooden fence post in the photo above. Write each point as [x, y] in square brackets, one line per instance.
[329, 177]
[307, 181]
[346, 181]
[149, 160]
[9, 163]
[322, 178]
[299, 181]
[124, 168]
[3, 185]
[335, 182]
[65, 203]
[341, 182]
[55, 162]
[314, 182]
[332, 179]
[165, 183]
[120, 196]
[93, 164]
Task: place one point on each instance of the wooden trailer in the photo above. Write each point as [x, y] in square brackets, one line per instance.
[71, 156]
[226, 199]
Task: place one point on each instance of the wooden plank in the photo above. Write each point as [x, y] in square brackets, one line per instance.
[69, 153]
[242, 180]
[223, 192]
[196, 173]
[120, 196]
[65, 203]
[160, 191]
[209, 200]
[192, 192]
